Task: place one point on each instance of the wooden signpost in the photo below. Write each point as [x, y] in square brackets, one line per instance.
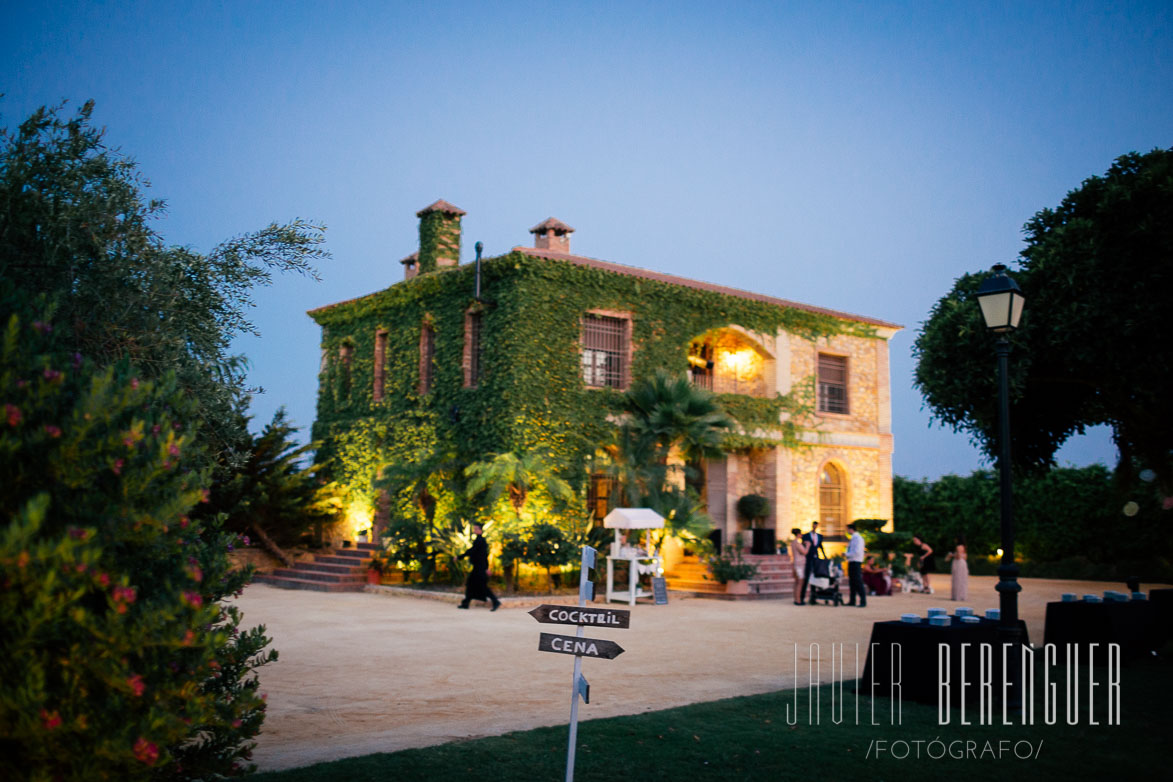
[577, 644]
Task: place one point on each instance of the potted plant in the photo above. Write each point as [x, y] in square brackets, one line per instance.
[379, 563]
[732, 570]
[755, 509]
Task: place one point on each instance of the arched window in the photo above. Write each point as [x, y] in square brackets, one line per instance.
[832, 500]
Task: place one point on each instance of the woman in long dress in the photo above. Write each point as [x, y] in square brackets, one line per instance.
[960, 570]
[798, 549]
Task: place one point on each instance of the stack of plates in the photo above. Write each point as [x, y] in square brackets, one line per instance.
[1139, 596]
[970, 619]
[940, 620]
[913, 619]
[1070, 597]
[1091, 598]
[964, 611]
[993, 613]
[937, 612]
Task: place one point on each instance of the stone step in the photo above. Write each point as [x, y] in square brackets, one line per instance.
[334, 559]
[300, 583]
[308, 574]
[349, 568]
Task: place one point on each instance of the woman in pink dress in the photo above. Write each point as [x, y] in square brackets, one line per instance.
[798, 549]
[960, 570]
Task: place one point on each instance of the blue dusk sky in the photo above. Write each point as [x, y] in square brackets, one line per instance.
[857, 156]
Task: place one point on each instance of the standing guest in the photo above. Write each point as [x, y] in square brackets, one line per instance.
[814, 545]
[798, 549]
[960, 570]
[477, 586]
[855, 568]
[927, 563]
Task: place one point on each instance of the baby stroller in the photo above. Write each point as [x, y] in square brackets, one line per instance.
[824, 583]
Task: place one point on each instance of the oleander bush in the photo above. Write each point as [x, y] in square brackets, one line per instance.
[118, 659]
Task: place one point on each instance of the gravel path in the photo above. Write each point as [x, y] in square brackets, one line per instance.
[370, 672]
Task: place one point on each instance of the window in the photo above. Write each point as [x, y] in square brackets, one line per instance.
[605, 344]
[599, 495]
[832, 500]
[345, 351]
[832, 384]
[472, 350]
[380, 363]
[427, 354]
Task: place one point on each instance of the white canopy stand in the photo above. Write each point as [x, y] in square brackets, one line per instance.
[637, 561]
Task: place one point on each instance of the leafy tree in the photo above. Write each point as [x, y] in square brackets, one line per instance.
[1093, 342]
[273, 496]
[75, 224]
[117, 659]
[418, 535]
[548, 547]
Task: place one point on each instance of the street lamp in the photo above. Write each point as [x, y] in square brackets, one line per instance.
[1001, 302]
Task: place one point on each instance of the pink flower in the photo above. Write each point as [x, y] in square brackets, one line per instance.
[104, 579]
[41, 327]
[236, 723]
[117, 466]
[50, 719]
[173, 450]
[193, 598]
[136, 684]
[156, 429]
[183, 522]
[51, 374]
[52, 431]
[1167, 503]
[134, 382]
[78, 534]
[145, 751]
[13, 413]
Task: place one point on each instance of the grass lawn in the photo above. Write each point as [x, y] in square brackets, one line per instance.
[749, 739]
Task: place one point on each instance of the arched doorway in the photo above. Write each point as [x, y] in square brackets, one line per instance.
[832, 500]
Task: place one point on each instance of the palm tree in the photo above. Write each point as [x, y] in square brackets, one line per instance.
[515, 475]
[666, 412]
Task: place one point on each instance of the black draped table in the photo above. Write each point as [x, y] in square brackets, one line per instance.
[1162, 600]
[918, 673]
[1132, 624]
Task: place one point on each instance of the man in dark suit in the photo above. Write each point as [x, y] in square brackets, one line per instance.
[477, 586]
[814, 545]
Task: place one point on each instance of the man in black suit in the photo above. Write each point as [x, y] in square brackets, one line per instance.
[814, 545]
[477, 586]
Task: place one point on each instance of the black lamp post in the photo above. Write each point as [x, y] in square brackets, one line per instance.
[1002, 303]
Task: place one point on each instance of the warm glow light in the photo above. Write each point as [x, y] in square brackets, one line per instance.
[999, 552]
[358, 519]
[742, 363]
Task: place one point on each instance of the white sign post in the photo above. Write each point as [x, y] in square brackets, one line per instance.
[578, 645]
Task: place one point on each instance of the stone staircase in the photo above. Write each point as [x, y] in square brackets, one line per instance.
[345, 570]
[774, 581]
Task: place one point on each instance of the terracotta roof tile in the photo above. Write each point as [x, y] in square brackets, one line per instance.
[551, 224]
[441, 206]
[671, 279]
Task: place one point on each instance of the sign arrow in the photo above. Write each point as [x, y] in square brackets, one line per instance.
[581, 615]
[579, 647]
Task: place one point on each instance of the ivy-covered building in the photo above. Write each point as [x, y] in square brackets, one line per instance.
[527, 351]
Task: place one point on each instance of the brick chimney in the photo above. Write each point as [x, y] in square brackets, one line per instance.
[439, 236]
[411, 265]
[552, 235]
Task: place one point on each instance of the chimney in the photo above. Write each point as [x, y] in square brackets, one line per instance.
[411, 266]
[439, 237]
[552, 235]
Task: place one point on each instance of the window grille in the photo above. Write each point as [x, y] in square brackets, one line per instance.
[427, 348]
[380, 363]
[604, 351]
[832, 384]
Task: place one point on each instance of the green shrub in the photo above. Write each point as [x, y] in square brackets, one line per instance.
[753, 508]
[117, 659]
